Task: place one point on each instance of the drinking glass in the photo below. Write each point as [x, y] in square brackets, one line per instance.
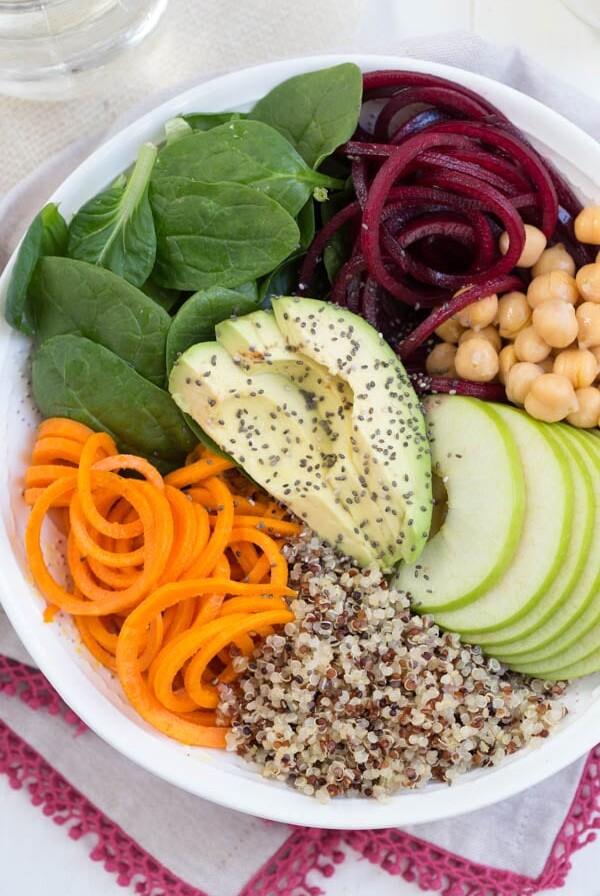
[49, 49]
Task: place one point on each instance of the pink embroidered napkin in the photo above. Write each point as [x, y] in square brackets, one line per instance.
[157, 839]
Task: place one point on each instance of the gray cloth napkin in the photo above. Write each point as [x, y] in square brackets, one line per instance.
[487, 836]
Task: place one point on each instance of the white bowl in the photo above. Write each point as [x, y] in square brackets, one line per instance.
[93, 693]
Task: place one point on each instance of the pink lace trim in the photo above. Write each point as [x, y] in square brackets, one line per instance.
[60, 801]
[29, 685]
[306, 851]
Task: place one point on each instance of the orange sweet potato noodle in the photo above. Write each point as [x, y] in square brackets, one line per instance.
[169, 578]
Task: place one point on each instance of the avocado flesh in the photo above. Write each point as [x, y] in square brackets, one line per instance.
[387, 428]
[291, 423]
[256, 343]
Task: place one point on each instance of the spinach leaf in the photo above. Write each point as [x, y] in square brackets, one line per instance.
[220, 235]
[196, 319]
[249, 289]
[69, 296]
[206, 121]
[243, 152]
[316, 112]
[47, 235]
[166, 298]
[283, 281]
[336, 254]
[339, 248]
[115, 229]
[74, 377]
[206, 440]
[176, 128]
[306, 226]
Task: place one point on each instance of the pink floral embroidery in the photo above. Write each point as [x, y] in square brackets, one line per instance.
[307, 850]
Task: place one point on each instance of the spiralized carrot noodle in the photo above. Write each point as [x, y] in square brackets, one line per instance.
[169, 579]
[198, 471]
[63, 427]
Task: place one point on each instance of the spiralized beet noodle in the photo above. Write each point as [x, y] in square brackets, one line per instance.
[438, 174]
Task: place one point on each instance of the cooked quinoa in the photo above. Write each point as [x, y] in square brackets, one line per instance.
[360, 696]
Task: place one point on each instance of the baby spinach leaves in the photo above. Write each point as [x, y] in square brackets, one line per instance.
[115, 229]
[221, 235]
[47, 235]
[196, 319]
[206, 121]
[71, 296]
[316, 112]
[225, 210]
[243, 152]
[166, 298]
[176, 128]
[77, 378]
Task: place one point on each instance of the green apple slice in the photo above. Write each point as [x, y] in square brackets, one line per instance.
[544, 538]
[474, 454]
[570, 638]
[570, 589]
[576, 669]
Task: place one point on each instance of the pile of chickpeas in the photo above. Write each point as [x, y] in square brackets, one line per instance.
[542, 345]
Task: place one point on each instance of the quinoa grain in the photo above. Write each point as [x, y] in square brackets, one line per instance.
[358, 696]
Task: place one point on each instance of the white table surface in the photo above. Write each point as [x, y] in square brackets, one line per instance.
[35, 855]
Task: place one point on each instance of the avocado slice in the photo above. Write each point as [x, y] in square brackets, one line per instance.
[316, 408]
[388, 437]
[256, 342]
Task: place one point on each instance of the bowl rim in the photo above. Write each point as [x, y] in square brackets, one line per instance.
[249, 793]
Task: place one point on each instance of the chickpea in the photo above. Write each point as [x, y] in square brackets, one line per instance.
[588, 282]
[519, 380]
[535, 243]
[553, 285]
[440, 360]
[587, 225]
[476, 360]
[479, 314]
[589, 408]
[490, 333]
[588, 318]
[547, 364]
[551, 398]
[556, 258]
[507, 359]
[450, 331]
[595, 350]
[530, 346]
[514, 313]
[579, 366]
[555, 323]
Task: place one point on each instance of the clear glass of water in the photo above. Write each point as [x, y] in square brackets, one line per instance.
[51, 49]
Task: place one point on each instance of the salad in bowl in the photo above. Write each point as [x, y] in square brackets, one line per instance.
[302, 394]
